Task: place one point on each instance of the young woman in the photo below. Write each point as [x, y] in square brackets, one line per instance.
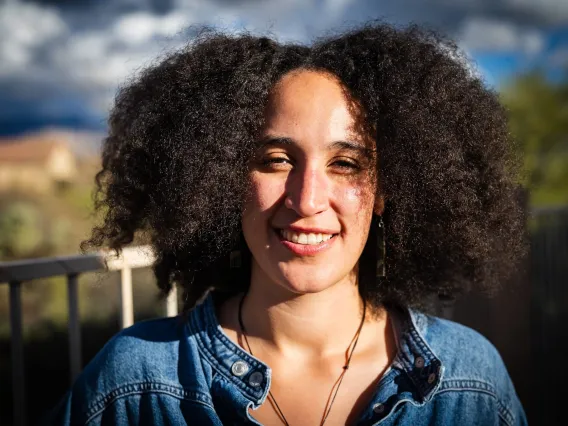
[310, 202]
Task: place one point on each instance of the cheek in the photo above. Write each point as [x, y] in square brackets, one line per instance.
[355, 206]
[352, 196]
[354, 200]
[264, 194]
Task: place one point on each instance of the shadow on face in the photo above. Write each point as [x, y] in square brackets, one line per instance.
[313, 185]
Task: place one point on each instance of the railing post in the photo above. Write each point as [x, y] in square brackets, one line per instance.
[172, 303]
[126, 303]
[74, 327]
[16, 336]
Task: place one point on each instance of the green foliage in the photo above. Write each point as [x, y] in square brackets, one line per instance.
[28, 230]
[80, 199]
[538, 116]
[20, 230]
[36, 225]
[57, 233]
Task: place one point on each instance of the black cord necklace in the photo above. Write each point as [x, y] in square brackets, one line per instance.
[340, 379]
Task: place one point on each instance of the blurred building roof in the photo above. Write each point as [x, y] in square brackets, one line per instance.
[36, 162]
[28, 150]
[36, 147]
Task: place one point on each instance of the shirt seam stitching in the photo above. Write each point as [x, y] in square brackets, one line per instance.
[99, 405]
[503, 412]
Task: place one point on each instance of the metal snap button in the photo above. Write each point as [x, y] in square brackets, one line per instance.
[256, 378]
[379, 408]
[431, 378]
[419, 362]
[240, 368]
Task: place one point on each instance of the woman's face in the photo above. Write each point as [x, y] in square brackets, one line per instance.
[313, 187]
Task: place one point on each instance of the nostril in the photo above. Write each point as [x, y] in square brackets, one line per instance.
[288, 202]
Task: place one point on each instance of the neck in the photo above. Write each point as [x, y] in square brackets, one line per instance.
[321, 323]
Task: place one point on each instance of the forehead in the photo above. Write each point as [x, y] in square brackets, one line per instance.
[310, 105]
[307, 83]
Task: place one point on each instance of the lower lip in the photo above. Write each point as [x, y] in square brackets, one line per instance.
[306, 249]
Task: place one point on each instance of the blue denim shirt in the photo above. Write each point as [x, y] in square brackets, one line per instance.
[169, 371]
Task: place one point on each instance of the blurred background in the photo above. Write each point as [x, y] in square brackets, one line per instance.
[61, 62]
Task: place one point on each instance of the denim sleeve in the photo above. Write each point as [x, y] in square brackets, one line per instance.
[512, 412]
[517, 411]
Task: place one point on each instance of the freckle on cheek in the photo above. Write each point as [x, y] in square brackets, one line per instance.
[357, 198]
[352, 194]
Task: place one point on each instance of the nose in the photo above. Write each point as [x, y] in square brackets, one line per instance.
[307, 192]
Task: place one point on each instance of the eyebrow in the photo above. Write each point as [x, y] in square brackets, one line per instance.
[342, 145]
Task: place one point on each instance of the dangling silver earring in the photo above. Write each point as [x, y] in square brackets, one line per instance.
[235, 259]
[381, 248]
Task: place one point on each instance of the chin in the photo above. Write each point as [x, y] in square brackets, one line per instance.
[303, 288]
[306, 282]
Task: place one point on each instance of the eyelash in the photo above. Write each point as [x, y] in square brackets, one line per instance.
[280, 160]
[348, 165]
[270, 161]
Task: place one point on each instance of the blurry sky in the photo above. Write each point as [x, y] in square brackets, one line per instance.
[62, 60]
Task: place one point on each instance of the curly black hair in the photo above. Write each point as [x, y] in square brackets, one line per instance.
[182, 133]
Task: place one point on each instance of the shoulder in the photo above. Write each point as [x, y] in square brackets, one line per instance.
[137, 351]
[463, 351]
[471, 363]
[138, 360]
[145, 371]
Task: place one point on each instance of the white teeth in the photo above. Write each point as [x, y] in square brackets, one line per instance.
[312, 239]
[306, 239]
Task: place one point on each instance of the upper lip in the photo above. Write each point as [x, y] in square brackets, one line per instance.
[300, 229]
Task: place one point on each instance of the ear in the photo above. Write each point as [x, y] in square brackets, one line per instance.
[379, 206]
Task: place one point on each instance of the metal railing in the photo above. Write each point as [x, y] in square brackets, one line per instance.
[17, 272]
[546, 289]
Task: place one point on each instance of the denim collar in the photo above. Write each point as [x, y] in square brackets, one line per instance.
[415, 356]
[252, 376]
[226, 358]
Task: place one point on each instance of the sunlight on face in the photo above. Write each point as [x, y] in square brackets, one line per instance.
[313, 187]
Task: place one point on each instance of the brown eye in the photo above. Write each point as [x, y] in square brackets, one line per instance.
[346, 166]
[276, 163]
[270, 161]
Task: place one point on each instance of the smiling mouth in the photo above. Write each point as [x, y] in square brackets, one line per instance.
[309, 239]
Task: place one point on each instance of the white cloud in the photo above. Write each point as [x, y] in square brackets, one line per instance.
[336, 7]
[559, 58]
[141, 27]
[25, 28]
[488, 35]
[92, 62]
[46, 46]
[555, 11]
[95, 63]
[532, 41]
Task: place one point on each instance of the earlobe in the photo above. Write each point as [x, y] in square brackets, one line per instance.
[379, 205]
